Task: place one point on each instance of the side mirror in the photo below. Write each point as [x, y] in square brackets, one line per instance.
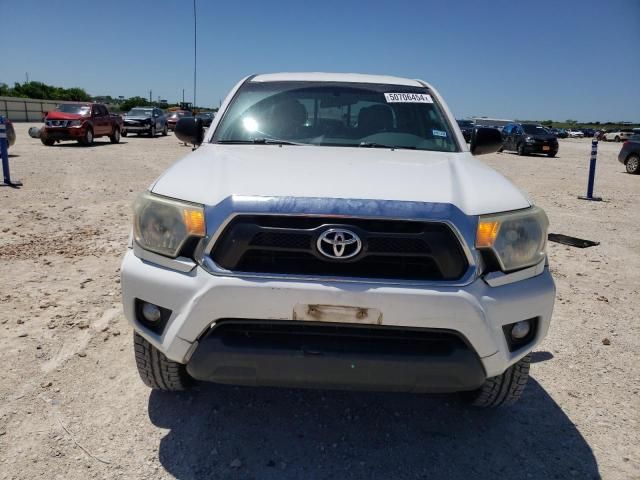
[485, 140]
[190, 130]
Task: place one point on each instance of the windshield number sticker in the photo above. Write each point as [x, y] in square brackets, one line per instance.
[439, 133]
[408, 98]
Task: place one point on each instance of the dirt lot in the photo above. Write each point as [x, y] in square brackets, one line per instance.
[72, 405]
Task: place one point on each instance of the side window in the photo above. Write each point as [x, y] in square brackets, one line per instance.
[100, 110]
[507, 129]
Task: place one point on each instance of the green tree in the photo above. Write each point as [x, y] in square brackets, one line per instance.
[129, 103]
[46, 92]
[77, 94]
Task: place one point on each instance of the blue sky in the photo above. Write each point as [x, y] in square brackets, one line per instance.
[512, 59]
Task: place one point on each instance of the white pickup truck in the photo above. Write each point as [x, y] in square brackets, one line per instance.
[335, 231]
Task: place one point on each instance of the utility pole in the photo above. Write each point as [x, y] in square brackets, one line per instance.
[150, 97]
[27, 75]
[195, 52]
[183, 95]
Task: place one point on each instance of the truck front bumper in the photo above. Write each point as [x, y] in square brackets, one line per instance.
[197, 300]
[539, 148]
[61, 134]
[137, 128]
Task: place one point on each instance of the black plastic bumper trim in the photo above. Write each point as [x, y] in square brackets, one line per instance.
[343, 361]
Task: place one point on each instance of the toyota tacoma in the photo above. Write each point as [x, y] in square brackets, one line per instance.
[335, 231]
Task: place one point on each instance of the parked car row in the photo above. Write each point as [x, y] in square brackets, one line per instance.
[617, 135]
[84, 122]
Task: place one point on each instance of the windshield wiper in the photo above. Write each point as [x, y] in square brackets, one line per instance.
[382, 145]
[260, 141]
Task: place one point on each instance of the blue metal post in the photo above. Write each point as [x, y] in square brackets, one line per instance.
[592, 173]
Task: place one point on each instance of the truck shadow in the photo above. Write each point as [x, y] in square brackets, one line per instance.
[239, 432]
[95, 144]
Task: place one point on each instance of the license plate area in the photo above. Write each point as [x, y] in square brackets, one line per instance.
[337, 314]
[546, 148]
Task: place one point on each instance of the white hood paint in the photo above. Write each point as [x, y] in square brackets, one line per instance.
[215, 172]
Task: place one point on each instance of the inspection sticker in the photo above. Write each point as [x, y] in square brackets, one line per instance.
[439, 133]
[408, 98]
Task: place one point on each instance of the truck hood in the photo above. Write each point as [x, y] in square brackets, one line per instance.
[215, 172]
[53, 115]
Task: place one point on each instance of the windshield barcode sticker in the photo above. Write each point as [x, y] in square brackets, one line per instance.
[408, 98]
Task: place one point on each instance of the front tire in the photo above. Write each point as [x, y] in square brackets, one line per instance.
[551, 155]
[152, 131]
[521, 149]
[165, 130]
[47, 142]
[123, 133]
[156, 370]
[115, 138]
[504, 389]
[87, 140]
[633, 164]
[617, 139]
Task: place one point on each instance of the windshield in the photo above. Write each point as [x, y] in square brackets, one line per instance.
[337, 114]
[535, 129]
[71, 108]
[140, 112]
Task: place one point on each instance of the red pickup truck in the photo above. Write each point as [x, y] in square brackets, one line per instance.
[82, 122]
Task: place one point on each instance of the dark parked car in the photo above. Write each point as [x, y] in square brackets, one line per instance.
[467, 127]
[173, 117]
[526, 138]
[206, 117]
[559, 132]
[149, 120]
[588, 132]
[630, 154]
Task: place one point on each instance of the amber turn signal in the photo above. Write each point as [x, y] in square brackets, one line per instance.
[194, 222]
[487, 233]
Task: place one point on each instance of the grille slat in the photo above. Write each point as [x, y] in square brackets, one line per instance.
[405, 250]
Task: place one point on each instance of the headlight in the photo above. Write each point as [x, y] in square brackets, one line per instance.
[76, 123]
[529, 139]
[518, 239]
[163, 225]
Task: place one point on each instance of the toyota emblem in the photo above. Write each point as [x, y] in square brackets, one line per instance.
[339, 244]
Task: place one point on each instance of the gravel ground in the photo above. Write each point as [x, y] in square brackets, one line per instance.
[72, 405]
